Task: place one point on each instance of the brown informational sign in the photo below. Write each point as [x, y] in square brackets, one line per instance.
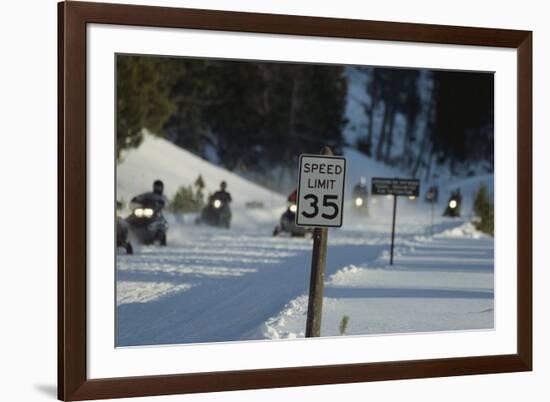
[391, 186]
[395, 187]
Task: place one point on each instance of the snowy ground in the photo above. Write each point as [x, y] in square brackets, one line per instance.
[218, 285]
[213, 284]
[436, 284]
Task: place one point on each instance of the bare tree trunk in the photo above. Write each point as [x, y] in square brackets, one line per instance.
[430, 159]
[425, 137]
[370, 125]
[382, 137]
[409, 133]
[292, 114]
[293, 107]
[389, 136]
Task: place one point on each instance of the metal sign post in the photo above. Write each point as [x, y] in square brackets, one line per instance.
[319, 203]
[393, 228]
[432, 219]
[394, 187]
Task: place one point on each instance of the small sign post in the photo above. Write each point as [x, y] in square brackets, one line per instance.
[395, 187]
[319, 204]
[432, 218]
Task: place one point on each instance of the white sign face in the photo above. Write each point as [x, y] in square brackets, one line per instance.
[321, 190]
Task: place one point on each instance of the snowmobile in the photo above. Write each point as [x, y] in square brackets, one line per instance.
[254, 205]
[360, 197]
[360, 204]
[453, 205]
[432, 195]
[216, 213]
[146, 221]
[122, 232]
[122, 235]
[287, 223]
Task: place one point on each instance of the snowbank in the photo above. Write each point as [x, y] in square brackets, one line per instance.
[158, 158]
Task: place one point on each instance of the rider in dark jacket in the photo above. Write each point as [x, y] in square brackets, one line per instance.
[222, 195]
[361, 189]
[292, 197]
[156, 196]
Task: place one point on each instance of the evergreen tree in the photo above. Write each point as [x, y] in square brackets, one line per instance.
[272, 112]
[142, 99]
[463, 116]
[447, 114]
[342, 328]
[255, 116]
[484, 210]
[199, 188]
[188, 200]
[192, 90]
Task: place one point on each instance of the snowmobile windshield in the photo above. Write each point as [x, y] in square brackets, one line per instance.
[223, 196]
[150, 200]
[360, 190]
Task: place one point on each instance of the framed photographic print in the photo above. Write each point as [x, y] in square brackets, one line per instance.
[253, 200]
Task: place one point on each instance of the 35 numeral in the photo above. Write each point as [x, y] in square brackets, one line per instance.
[327, 203]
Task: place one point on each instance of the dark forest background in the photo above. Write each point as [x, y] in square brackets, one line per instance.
[259, 116]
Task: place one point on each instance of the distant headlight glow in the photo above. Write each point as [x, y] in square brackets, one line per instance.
[358, 202]
[293, 208]
[217, 203]
[143, 212]
[452, 204]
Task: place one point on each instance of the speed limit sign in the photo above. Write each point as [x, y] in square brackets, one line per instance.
[321, 190]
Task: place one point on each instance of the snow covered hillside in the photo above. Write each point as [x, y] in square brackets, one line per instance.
[158, 158]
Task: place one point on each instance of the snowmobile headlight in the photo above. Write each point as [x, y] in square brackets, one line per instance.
[358, 202]
[452, 204]
[217, 203]
[143, 212]
[412, 197]
[293, 208]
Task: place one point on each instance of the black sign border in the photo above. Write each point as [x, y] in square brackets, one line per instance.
[298, 190]
[393, 178]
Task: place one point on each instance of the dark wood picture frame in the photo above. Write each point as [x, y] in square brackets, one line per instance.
[73, 383]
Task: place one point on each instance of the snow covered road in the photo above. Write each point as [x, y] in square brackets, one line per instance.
[214, 285]
[437, 284]
[234, 281]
